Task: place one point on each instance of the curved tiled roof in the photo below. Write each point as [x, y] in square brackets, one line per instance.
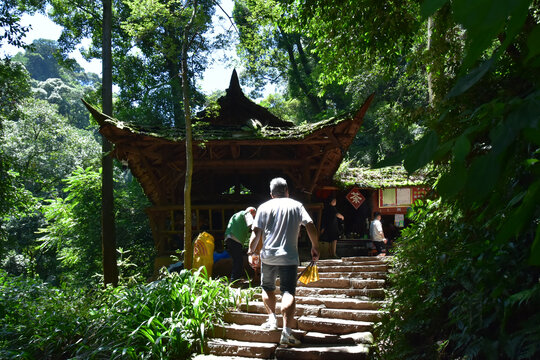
[248, 147]
[364, 177]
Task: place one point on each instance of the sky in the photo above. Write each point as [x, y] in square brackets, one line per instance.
[216, 77]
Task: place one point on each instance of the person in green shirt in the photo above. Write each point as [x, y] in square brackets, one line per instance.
[237, 239]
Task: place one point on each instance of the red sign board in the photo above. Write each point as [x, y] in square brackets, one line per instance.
[355, 197]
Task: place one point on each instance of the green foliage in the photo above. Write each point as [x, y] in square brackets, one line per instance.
[393, 120]
[274, 53]
[14, 86]
[59, 81]
[72, 232]
[12, 32]
[394, 176]
[303, 45]
[68, 98]
[285, 109]
[466, 279]
[133, 228]
[73, 228]
[41, 149]
[17, 208]
[37, 320]
[165, 319]
[45, 148]
[349, 36]
[149, 76]
[146, 49]
[473, 297]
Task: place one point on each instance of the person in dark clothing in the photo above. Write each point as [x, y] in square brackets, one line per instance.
[330, 225]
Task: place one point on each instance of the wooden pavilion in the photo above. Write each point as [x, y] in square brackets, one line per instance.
[238, 148]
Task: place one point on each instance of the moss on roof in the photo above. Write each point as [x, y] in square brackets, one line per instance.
[204, 131]
[363, 177]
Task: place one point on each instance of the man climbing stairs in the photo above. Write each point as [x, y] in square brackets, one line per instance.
[334, 317]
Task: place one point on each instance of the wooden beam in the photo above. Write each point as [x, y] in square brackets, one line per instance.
[334, 140]
[235, 151]
[315, 179]
[149, 174]
[273, 142]
[256, 163]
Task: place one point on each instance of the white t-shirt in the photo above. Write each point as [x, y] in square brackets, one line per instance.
[377, 230]
[280, 220]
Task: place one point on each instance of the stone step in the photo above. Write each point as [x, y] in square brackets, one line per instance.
[360, 294]
[218, 357]
[334, 317]
[336, 283]
[346, 263]
[305, 323]
[313, 337]
[232, 348]
[353, 275]
[332, 326]
[348, 293]
[314, 346]
[254, 333]
[257, 319]
[356, 315]
[320, 311]
[358, 258]
[351, 261]
[348, 268]
[323, 352]
[250, 333]
[257, 307]
[340, 303]
[334, 302]
[365, 258]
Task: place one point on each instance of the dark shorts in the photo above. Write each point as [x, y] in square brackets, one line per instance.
[287, 277]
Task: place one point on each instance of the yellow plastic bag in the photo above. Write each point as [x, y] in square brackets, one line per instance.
[203, 252]
[309, 274]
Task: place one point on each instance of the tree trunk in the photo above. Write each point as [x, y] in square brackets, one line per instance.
[303, 57]
[430, 70]
[176, 89]
[108, 236]
[313, 101]
[188, 245]
[173, 69]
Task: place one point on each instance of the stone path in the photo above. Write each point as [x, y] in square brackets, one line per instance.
[334, 317]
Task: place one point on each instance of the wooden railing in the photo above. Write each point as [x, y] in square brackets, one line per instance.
[167, 222]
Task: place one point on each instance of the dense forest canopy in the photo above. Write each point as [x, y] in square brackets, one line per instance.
[456, 94]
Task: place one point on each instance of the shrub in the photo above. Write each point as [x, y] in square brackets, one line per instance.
[165, 319]
[457, 293]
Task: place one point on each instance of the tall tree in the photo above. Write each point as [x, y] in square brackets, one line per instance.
[108, 235]
[471, 262]
[156, 32]
[179, 33]
[274, 53]
[14, 86]
[59, 81]
[44, 149]
[10, 15]
[188, 255]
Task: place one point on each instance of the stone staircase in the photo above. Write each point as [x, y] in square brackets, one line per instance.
[334, 317]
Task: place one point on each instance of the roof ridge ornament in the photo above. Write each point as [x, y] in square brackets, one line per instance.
[234, 85]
